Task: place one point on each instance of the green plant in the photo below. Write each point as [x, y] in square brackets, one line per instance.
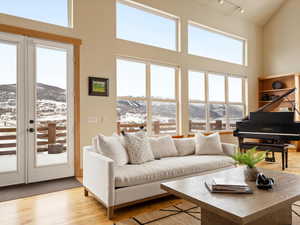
[250, 158]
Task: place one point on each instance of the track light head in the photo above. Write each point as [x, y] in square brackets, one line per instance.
[237, 7]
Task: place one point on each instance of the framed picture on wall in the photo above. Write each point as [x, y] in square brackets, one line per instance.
[98, 86]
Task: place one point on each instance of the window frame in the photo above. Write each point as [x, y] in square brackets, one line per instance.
[148, 99]
[156, 12]
[213, 30]
[70, 15]
[206, 101]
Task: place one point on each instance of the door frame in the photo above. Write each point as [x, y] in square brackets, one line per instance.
[76, 57]
[48, 172]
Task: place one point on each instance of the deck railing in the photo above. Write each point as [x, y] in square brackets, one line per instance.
[46, 133]
[161, 128]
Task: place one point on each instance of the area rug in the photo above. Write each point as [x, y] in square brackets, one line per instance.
[27, 190]
[184, 213]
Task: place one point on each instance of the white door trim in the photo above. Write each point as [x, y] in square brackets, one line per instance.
[48, 172]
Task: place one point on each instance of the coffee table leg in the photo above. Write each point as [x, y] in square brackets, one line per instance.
[279, 217]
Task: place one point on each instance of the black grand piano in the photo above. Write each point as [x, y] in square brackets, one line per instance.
[274, 130]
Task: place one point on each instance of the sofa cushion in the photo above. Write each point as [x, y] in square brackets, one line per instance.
[167, 168]
[209, 145]
[185, 146]
[163, 147]
[138, 148]
[112, 148]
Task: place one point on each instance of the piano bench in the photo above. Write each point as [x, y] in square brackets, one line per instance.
[283, 148]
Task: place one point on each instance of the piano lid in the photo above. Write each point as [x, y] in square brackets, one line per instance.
[274, 104]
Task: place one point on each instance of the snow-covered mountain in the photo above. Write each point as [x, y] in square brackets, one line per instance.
[44, 92]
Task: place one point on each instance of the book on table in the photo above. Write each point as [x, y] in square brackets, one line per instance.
[220, 185]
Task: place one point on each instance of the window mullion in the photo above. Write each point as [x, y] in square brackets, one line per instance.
[206, 101]
[178, 110]
[244, 95]
[226, 103]
[70, 13]
[148, 98]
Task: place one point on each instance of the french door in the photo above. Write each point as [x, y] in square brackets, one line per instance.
[36, 110]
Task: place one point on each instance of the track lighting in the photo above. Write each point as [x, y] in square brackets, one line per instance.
[239, 8]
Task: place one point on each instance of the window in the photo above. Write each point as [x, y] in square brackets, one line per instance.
[56, 12]
[147, 97]
[213, 106]
[146, 26]
[216, 88]
[196, 86]
[131, 71]
[215, 45]
[235, 89]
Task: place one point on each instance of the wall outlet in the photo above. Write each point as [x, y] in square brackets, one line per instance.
[92, 119]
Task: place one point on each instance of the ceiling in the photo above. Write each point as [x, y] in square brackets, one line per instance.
[257, 11]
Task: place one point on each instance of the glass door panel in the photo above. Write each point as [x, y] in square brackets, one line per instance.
[12, 128]
[51, 106]
[50, 145]
[8, 107]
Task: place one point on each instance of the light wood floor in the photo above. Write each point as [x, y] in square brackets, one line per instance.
[294, 163]
[70, 207]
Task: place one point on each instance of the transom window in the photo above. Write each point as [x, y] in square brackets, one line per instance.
[58, 12]
[146, 97]
[206, 42]
[216, 101]
[145, 25]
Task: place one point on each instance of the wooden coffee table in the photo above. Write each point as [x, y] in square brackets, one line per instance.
[271, 207]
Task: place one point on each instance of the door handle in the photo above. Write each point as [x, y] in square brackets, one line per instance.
[31, 130]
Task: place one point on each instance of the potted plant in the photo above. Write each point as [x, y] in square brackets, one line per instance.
[250, 158]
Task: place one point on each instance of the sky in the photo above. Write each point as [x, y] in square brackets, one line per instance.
[54, 11]
[214, 45]
[8, 63]
[51, 67]
[51, 64]
[145, 28]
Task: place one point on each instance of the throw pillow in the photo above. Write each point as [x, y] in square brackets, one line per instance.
[163, 147]
[121, 139]
[138, 148]
[208, 145]
[185, 146]
[112, 148]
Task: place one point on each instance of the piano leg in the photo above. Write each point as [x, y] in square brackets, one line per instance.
[283, 160]
[241, 140]
[286, 158]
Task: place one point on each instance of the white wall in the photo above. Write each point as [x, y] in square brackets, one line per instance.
[94, 23]
[282, 40]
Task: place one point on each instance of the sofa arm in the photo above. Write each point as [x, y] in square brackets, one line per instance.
[229, 149]
[98, 176]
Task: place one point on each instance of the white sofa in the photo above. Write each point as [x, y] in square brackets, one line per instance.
[119, 186]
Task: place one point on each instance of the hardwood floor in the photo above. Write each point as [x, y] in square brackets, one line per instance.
[71, 207]
[294, 163]
[68, 207]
